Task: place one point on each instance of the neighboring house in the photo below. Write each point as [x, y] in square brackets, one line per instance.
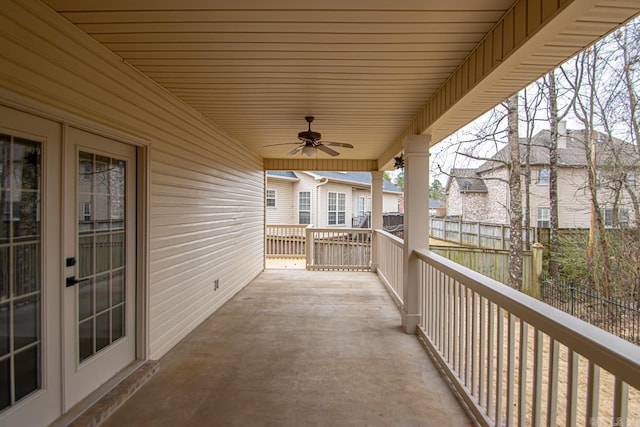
[436, 207]
[324, 199]
[482, 194]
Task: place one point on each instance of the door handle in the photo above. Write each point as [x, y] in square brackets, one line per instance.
[71, 280]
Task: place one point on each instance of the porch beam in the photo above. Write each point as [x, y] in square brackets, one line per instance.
[416, 224]
[307, 164]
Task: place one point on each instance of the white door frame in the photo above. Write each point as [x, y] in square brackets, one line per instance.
[27, 105]
[46, 402]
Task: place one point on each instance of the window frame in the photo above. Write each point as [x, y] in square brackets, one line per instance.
[543, 218]
[306, 211]
[338, 214]
[274, 198]
[543, 179]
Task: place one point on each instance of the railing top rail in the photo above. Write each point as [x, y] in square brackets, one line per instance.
[394, 239]
[288, 225]
[341, 230]
[610, 352]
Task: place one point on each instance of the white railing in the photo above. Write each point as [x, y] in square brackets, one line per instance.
[518, 361]
[338, 249]
[390, 262]
[285, 241]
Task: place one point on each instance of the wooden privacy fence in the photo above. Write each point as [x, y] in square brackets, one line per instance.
[491, 263]
[476, 234]
[338, 249]
[285, 241]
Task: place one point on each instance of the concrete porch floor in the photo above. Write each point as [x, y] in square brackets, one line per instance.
[298, 348]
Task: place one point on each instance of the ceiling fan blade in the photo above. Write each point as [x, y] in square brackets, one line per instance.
[337, 144]
[327, 150]
[295, 150]
[283, 143]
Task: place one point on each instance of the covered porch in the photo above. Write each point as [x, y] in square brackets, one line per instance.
[298, 347]
[188, 103]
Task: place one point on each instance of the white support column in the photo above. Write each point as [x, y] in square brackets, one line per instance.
[376, 215]
[416, 224]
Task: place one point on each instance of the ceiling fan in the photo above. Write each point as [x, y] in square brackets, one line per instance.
[311, 141]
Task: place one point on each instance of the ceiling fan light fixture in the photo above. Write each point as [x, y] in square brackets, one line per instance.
[308, 150]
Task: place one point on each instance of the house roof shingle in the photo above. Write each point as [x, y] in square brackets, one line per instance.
[468, 180]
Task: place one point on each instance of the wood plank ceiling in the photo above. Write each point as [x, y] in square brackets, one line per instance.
[364, 69]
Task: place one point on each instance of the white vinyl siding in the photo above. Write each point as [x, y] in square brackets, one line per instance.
[206, 197]
[285, 211]
[336, 205]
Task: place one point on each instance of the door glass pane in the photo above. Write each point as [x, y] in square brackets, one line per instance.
[27, 368]
[26, 268]
[85, 334]
[5, 383]
[101, 252]
[85, 300]
[4, 329]
[26, 322]
[102, 292]
[4, 272]
[20, 268]
[102, 331]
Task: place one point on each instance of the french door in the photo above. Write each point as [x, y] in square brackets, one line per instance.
[30, 270]
[100, 261]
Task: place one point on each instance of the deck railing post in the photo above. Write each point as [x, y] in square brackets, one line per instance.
[376, 216]
[308, 250]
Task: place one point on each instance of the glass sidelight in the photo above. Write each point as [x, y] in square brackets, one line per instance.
[101, 252]
[20, 269]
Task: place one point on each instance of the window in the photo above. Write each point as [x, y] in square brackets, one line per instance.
[364, 205]
[304, 207]
[631, 179]
[271, 198]
[543, 176]
[86, 211]
[608, 216]
[336, 208]
[544, 215]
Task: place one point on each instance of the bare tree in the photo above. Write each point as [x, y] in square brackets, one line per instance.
[515, 196]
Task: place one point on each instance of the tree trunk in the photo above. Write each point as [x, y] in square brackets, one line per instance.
[515, 200]
[554, 240]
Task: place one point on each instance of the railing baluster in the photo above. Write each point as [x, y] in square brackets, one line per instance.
[552, 384]
[537, 377]
[490, 365]
[482, 347]
[511, 360]
[593, 393]
[450, 322]
[499, 366]
[474, 344]
[572, 387]
[620, 401]
[468, 342]
[522, 374]
[460, 329]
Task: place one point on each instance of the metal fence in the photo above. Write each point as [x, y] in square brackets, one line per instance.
[615, 315]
